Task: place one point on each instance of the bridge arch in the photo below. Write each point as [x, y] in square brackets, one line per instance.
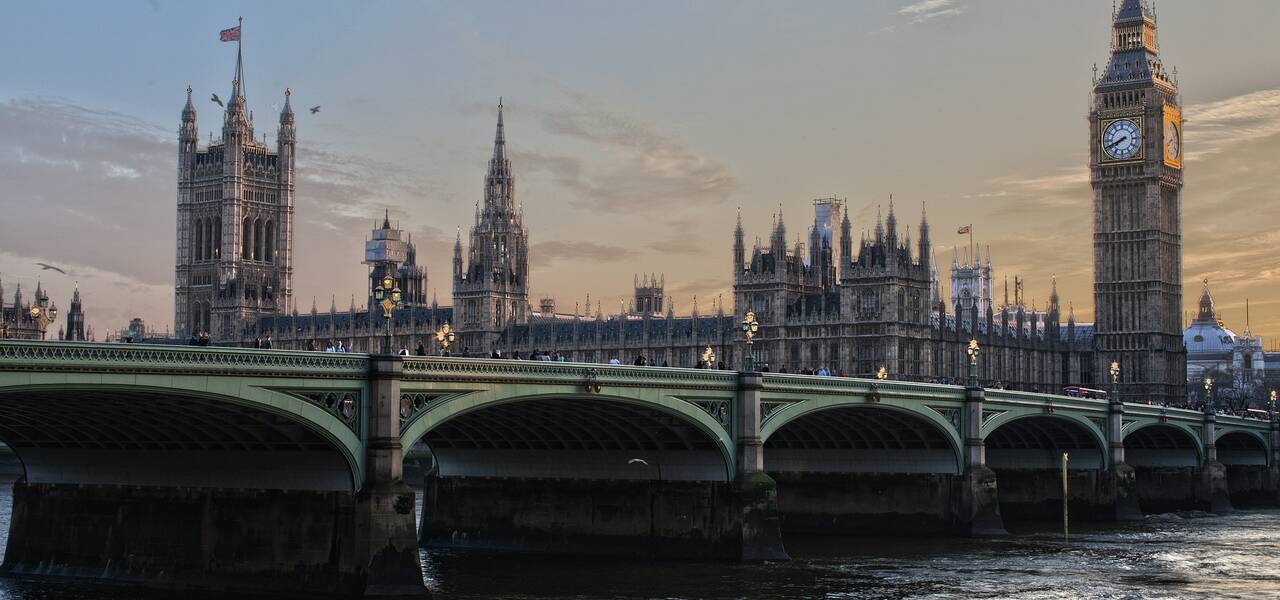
[855, 435]
[1151, 443]
[185, 431]
[1242, 447]
[575, 435]
[1027, 439]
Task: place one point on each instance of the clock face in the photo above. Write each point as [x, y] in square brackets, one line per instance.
[1172, 144]
[1122, 139]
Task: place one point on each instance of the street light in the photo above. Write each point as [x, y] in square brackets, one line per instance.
[973, 352]
[445, 337]
[43, 313]
[387, 295]
[1208, 394]
[749, 328]
[1115, 381]
[709, 357]
[882, 374]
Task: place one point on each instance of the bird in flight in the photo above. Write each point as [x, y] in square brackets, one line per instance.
[640, 461]
[217, 100]
[46, 267]
[315, 109]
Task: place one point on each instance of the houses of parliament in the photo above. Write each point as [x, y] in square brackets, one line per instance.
[852, 305]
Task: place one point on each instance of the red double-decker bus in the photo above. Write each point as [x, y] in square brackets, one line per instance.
[1076, 391]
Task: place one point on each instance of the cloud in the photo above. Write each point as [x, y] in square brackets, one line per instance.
[1214, 127]
[636, 165]
[921, 11]
[924, 10]
[543, 254]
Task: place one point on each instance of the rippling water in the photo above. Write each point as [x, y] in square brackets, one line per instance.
[1166, 557]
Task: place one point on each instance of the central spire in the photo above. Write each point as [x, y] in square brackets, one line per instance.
[499, 184]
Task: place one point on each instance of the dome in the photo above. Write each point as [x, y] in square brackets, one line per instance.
[1207, 335]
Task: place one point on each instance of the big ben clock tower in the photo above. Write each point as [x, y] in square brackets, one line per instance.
[1135, 160]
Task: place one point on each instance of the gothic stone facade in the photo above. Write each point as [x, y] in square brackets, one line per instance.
[882, 310]
[1135, 149]
[491, 291]
[235, 222]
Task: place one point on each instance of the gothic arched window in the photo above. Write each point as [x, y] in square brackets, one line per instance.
[269, 243]
[257, 240]
[215, 240]
[199, 241]
[246, 239]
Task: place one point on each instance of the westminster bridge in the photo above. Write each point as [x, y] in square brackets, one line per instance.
[279, 471]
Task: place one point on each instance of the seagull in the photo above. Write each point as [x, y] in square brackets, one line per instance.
[315, 109]
[217, 100]
[46, 267]
[638, 461]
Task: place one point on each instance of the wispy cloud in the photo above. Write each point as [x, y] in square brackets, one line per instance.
[1213, 127]
[924, 10]
[921, 11]
[544, 254]
[638, 165]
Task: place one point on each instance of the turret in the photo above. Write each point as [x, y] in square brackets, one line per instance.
[879, 238]
[739, 249]
[188, 139]
[891, 235]
[846, 243]
[925, 247]
[457, 258]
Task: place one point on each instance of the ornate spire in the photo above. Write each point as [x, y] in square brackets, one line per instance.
[879, 225]
[1135, 53]
[237, 84]
[286, 113]
[386, 218]
[189, 111]
[1206, 305]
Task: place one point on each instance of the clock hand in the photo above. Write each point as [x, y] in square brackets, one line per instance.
[1117, 142]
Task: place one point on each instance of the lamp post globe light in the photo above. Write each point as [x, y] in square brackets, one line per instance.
[445, 337]
[973, 352]
[387, 295]
[1208, 394]
[750, 326]
[1115, 382]
[709, 357]
[43, 313]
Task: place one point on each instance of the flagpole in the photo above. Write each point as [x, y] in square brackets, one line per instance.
[240, 53]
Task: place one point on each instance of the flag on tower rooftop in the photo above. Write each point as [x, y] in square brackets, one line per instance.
[230, 35]
[965, 229]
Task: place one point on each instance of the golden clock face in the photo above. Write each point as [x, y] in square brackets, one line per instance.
[1172, 141]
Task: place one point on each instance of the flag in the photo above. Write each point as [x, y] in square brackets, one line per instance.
[965, 229]
[230, 35]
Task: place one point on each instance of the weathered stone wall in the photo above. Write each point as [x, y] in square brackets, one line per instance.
[290, 543]
[657, 519]
[1251, 485]
[1166, 489]
[870, 503]
[1036, 495]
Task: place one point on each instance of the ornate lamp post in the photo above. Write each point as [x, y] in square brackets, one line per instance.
[1115, 381]
[387, 296]
[43, 313]
[1208, 395]
[1271, 405]
[882, 374]
[445, 337]
[709, 357]
[749, 328]
[973, 352]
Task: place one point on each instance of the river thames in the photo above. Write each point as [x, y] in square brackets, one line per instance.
[1164, 557]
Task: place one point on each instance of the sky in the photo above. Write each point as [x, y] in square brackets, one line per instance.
[636, 130]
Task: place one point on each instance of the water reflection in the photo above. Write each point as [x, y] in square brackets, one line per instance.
[1166, 557]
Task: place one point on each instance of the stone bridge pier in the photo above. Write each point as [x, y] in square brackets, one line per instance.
[213, 470]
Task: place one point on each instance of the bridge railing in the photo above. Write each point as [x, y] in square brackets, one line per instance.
[21, 355]
[815, 384]
[554, 372]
